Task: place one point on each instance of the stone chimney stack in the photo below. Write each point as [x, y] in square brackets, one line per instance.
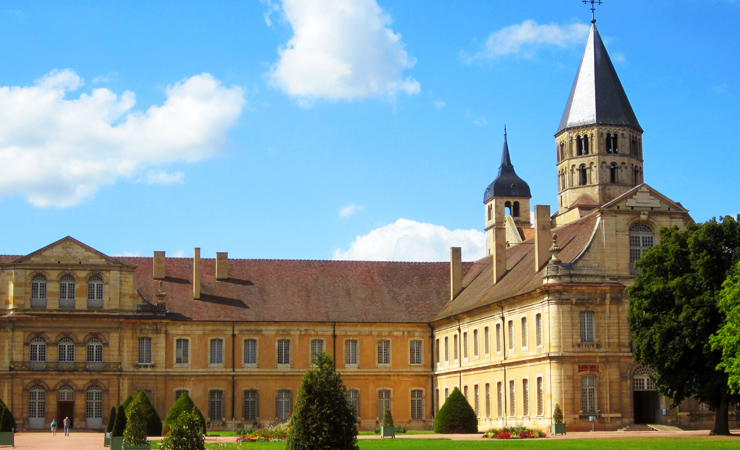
[196, 273]
[455, 272]
[499, 252]
[542, 237]
[158, 267]
[222, 266]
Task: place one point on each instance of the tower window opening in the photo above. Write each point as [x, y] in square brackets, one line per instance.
[579, 146]
[615, 143]
[613, 173]
[562, 151]
[585, 145]
[490, 212]
[516, 209]
[507, 207]
[583, 175]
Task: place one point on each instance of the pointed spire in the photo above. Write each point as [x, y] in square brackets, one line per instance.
[597, 95]
[507, 183]
[505, 158]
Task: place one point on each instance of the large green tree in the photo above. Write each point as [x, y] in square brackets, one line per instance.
[728, 337]
[322, 418]
[674, 311]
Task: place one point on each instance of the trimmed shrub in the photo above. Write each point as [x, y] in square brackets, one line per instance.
[201, 421]
[388, 418]
[185, 434]
[7, 423]
[557, 415]
[153, 422]
[456, 416]
[126, 403]
[183, 404]
[111, 420]
[119, 426]
[135, 433]
[322, 418]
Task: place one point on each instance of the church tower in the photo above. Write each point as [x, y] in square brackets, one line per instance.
[599, 140]
[506, 199]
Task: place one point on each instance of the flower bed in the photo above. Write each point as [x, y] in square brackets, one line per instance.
[514, 433]
[268, 434]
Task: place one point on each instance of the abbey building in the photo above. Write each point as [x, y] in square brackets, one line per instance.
[541, 320]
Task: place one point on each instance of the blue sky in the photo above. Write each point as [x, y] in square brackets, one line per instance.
[349, 129]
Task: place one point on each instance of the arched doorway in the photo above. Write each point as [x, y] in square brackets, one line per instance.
[645, 396]
[37, 407]
[66, 405]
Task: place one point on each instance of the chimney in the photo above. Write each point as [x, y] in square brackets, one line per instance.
[455, 272]
[542, 237]
[196, 273]
[222, 266]
[158, 268]
[499, 252]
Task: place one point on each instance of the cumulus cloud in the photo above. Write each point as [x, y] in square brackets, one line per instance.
[57, 151]
[350, 210]
[525, 39]
[407, 240]
[341, 50]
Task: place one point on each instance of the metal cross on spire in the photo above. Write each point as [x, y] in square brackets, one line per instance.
[593, 8]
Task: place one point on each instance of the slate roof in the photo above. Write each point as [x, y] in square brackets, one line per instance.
[507, 183]
[597, 95]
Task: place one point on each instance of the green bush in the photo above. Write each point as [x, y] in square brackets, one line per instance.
[119, 426]
[557, 415]
[7, 421]
[456, 416]
[388, 418]
[322, 418]
[111, 420]
[153, 422]
[135, 433]
[201, 421]
[126, 403]
[183, 404]
[185, 433]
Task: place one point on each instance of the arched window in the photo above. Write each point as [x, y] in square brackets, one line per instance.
[65, 394]
[38, 292]
[613, 173]
[641, 238]
[66, 350]
[490, 211]
[37, 350]
[507, 208]
[588, 394]
[582, 175]
[579, 146]
[37, 407]
[95, 292]
[585, 145]
[515, 211]
[67, 292]
[609, 147]
[562, 151]
[641, 380]
[94, 351]
[94, 407]
[615, 143]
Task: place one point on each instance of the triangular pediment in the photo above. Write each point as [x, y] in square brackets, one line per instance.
[644, 198]
[68, 250]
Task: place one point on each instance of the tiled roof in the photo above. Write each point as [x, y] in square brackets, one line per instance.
[294, 291]
[478, 288]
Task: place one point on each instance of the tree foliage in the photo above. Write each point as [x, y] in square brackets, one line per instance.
[456, 416]
[674, 311]
[126, 403]
[153, 422]
[199, 417]
[728, 337]
[183, 404]
[7, 421]
[135, 433]
[119, 426]
[388, 418]
[111, 420]
[186, 433]
[322, 418]
[557, 415]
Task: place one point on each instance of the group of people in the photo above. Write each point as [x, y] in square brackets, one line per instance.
[65, 422]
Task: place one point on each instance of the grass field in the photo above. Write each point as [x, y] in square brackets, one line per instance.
[633, 443]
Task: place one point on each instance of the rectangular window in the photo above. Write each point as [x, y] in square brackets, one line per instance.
[284, 404]
[588, 394]
[499, 400]
[525, 397]
[475, 342]
[447, 393]
[488, 400]
[415, 352]
[498, 338]
[250, 351]
[447, 350]
[525, 333]
[283, 351]
[182, 355]
[512, 398]
[145, 350]
[216, 405]
[317, 346]
[384, 352]
[511, 335]
[465, 345]
[436, 351]
[538, 329]
[251, 404]
[217, 351]
[384, 402]
[487, 340]
[437, 400]
[417, 404]
[476, 400]
[587, 326]
[455, 347]
[465, 391]
[540, 397]
[353, 400]
[350, 352]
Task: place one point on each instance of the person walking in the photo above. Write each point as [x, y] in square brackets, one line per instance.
[66, 426]
[53, 427]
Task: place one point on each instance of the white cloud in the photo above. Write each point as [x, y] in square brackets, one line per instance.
[526, 38]
[407, 240]
[439, 104]
[57, 151]
[107, 78]
[350, 210]
[178, 254]
[619, 57]
[165, 178]
[341, 50]
[477, 120]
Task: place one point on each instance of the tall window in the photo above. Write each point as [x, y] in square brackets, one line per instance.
[67, 292]
[415, 352]
[145, 350]
[217, 351]
[499, 400]
[641, 238]
[384, 351]
[283, 354]
[417, 404]
[582, 175]
[384, 402]
[251, 403]
[37, 350]
[587, 326]
[465, 345]
[436, 350]
[475, 342]
[94, 403]
[65, 394]
[512, 398]
[215, 405]
[465, 391]
[447, 393]
[37, 403]
[525, 333]
[498, 338]
[511, 335]
[540, 397]
[538, 329]
[353, 400]
[488, 400]
[38, 292]
[525, 397]
[588, 394]
[284, 405]
[476, 400]
[66, 350]
[95, 292]
[350, 351]
[487, 340]
[437, 400]
[317, 346]
[447, 350]
[94, 351]
[182, 351]
[613, 173]
[455, 347]
[250, 351]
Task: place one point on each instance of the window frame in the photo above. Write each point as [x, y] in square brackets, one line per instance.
[182, 351]
[383, 352]
[245, 347]
[416, 355]
[384, 396]
[283, 353]
[524, 324]
[95, 292]
[587, 326]
[144, 357]
[525, 397]
[216, 355]
[96, 345]
[67, 287]
[354, 403]
[351, 352]
[486, 340]
[37, 350]
[216, 403]
[312, 350]
[254, 403]
[283, 396]
[66, 351]
[588, 395]
[417, 404]
[538, 329]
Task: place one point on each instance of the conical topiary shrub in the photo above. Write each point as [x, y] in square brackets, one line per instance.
[388, 418]
[6, 423]
[111, 420]
[119, 426]
[135, 432]
[456, 416]
[153, 422]
[199, 416]
[183, 404]
[557, 415]
[126, 403]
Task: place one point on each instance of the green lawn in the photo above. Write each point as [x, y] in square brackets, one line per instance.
[636, 443]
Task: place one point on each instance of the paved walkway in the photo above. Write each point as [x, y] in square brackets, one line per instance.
[94, 441]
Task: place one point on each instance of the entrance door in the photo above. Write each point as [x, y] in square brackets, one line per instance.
[66, 409]
[645, 396]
